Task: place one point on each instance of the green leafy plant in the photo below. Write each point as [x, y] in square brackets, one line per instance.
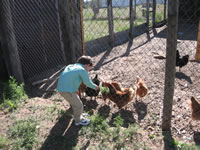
[98, 124]
[98, 127]
[130, 131]
[12, 94]
[118, 121]
[104, 90]
[24, 134]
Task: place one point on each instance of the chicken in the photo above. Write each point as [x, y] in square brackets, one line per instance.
[89, 91]
[81, 89]
[181, 61]
[119, 96]
[195, 106]
[122, 96]
[92, 92]
[142, 89]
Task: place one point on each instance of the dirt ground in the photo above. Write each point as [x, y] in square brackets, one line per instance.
[122, 64]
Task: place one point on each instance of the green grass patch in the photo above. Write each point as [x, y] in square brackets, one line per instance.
[104, 134]
[23, 134]
[4, 143]
[97, 28]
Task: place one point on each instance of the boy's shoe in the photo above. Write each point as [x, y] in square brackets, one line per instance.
[83, 122]
[84, 115]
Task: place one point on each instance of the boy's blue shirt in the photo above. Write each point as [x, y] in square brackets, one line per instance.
[71, 78]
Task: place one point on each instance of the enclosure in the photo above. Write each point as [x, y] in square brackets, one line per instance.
[125, 39]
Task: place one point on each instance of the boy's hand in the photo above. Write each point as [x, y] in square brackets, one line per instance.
[97, 88]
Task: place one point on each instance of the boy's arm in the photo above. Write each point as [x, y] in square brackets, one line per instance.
[87, 81]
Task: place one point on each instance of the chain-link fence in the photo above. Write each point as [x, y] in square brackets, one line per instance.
[37, 33]
[125, 38]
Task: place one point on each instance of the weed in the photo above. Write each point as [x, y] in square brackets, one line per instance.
[98, 125]
[130, 131]
[24, 134]
[13, 94]
[184, 146]
[118, 121]
[3, 143]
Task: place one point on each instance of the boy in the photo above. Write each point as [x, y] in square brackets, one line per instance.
[68, 83]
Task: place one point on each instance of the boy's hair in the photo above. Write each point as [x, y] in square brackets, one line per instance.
[84, 60]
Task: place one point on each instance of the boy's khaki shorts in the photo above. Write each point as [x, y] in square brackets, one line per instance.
[75, 102]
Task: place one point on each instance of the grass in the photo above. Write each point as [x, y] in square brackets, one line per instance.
[23, 134]
[4, 142]
[183, 146]
[97, 28]
[102, 132]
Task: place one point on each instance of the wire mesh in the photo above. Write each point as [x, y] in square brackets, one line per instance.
[145, 54]
[39, 42]
[37, 34]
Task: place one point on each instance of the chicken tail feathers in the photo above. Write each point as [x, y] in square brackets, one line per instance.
[195, 106]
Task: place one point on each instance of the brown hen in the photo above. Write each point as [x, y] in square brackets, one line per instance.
[81, 89]
[195, 106]
[142, 89]
[119, 96]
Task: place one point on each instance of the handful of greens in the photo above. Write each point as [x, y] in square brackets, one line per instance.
[104, 90]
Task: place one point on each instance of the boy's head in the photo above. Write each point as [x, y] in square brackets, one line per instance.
[85, 60]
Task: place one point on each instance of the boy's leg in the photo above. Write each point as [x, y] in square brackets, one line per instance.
[76, 104]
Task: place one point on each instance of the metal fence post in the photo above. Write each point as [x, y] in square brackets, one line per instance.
[170, 64]
[154, 13]
[131, 19]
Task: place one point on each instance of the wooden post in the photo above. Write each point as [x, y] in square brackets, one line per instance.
[147, 14]
[82, 28]
[66, 29]
[110, 22]
[9, 43]
[77, 27]
[131, 19]
[197, 55]
[154, 13]
[165, 9]
[170, 64]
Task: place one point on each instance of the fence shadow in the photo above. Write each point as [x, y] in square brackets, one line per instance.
[183, 32]
[102, 44]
